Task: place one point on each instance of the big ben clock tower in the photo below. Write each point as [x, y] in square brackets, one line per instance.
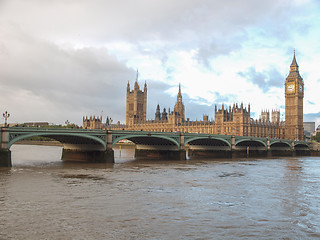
[294, 91]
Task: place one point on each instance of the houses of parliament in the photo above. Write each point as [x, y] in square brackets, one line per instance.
[232, 120]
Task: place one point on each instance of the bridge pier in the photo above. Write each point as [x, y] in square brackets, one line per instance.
[159, 152]
[197, 151]
[87, 156]
[5, 158]
[5, 153]
[248, 152]
[87, 153]
[280, 153]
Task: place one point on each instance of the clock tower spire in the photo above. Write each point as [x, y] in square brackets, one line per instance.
[294, 92]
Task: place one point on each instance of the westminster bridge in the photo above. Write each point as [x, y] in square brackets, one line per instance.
[97, 145]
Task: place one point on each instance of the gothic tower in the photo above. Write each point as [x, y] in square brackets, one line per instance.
[265, 116]
[179, 106]
[294, 91]
[136, 107]
[275, 116]
[158, 114]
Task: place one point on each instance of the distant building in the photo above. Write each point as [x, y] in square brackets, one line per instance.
[92, 122]
[232, 120]
[309, 128]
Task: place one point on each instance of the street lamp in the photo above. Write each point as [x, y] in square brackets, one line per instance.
[6, 115]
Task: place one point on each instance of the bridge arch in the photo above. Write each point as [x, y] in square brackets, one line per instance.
[251, 143]
[301, 146]
[148, 139]
[280, 144]
[205, 140]
[71, 138]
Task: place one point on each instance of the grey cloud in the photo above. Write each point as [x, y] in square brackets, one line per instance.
[77, 82]
[175, 23]
[219, 46]
[224, 99]
[264, 80]
[73, 82]
[157, 95]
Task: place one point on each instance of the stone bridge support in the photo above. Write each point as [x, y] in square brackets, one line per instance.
[5, 153]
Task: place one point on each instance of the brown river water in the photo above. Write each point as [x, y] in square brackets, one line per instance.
[42, 197]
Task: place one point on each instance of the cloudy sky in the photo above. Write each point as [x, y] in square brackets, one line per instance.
[61, 60]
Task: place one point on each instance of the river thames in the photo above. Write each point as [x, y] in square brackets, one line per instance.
[42, 197]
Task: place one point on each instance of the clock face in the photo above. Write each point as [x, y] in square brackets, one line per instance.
[300, 88]
[290, 88]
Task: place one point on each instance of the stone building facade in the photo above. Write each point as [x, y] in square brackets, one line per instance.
[232, 120]
[92, 122]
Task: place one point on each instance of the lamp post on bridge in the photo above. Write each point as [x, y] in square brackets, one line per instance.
[6, 115]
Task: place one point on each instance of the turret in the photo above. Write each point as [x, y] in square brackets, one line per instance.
[158, 115]
[136, 106]
[145, 86]
[128, 87]
[164, 115]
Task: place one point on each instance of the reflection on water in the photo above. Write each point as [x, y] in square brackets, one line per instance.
[43, 198]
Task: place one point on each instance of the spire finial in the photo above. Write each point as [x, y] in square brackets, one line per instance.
[136, 85]
[137, 75]
[294, 65]
[179, 96]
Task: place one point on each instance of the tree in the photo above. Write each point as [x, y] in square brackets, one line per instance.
[316, 137]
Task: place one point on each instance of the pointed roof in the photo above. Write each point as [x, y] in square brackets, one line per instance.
[294, 61]
[179, 93]
[145, 85]
[137, 75]
[136, 84]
